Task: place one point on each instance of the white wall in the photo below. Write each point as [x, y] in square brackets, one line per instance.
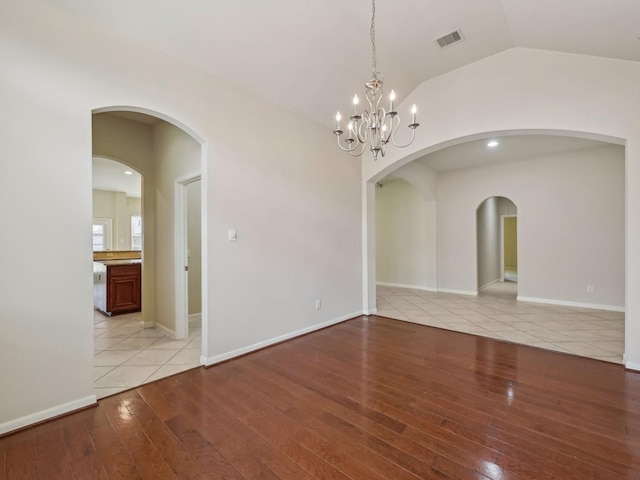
[293, 198]
[570, 224]
[529, 91]
[405, 225]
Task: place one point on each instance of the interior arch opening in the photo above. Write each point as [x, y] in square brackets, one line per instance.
[497, 247]
[566, 194]
[163, 336]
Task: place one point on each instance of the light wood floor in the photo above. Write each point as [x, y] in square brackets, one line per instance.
[371, 398]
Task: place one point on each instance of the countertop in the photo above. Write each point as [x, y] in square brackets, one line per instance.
[123, 261]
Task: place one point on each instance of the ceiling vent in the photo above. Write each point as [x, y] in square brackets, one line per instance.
[450, 38]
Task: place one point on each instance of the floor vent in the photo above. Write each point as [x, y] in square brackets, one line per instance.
[450, 38]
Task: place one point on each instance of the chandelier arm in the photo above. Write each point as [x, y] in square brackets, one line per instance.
[381, 116]
[345, 149]
[391, 127]
[413, 135]
[360, 130]
[373, 99]
[355, 152]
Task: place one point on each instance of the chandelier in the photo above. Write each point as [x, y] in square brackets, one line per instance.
[375, 127]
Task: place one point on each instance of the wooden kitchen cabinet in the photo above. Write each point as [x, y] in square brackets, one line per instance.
[117, 286]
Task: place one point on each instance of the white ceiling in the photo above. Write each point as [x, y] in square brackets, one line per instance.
[509, 148]
[109, 175]
[311, 56]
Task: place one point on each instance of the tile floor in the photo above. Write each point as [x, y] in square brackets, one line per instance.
[496, 313]
[127, 355]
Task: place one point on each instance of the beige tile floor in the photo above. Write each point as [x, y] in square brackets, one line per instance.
[127, 355]
[497, 314]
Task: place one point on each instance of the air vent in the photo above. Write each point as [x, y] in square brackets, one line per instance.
[450, 38]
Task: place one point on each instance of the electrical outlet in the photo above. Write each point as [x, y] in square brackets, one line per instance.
[589, 288]
[318, 304]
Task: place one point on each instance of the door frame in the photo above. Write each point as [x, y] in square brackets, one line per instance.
[181, 255]
[502, 217]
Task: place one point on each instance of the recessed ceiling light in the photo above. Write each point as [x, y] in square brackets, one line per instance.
[128, 172]
[492, 143]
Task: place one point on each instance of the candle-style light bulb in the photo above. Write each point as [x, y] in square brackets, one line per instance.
[414, 109]
[392, 97]
[338, 118]
[356, 100]
[350, 129]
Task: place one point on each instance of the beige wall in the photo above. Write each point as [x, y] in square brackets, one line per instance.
[511, 243]
[131, 143]
[194, 246]
[402, 236]
[163, 154]
[104, 204]
[177, 157]
[119, 208]
[487, 231]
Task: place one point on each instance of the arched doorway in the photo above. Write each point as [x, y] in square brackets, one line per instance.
[165, 153]
[562, 223]
[497, 245]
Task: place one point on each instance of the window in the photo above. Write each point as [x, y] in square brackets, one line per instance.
[136, 232]
[101, 234]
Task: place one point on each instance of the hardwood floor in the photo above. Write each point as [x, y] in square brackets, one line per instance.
[366, 399]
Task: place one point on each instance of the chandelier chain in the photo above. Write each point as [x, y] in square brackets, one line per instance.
[373, 37]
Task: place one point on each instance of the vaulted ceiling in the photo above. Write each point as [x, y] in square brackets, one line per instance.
[310, 56]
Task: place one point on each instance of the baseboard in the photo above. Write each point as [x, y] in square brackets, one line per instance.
[195, 319]
[459, 292]
[632, 366]
[430, 289]
[403, 285]
[610, 308]
[165, 331]
[47, 414]
[208, 361]
[487, 285]
[371, 311]
[148, 324]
